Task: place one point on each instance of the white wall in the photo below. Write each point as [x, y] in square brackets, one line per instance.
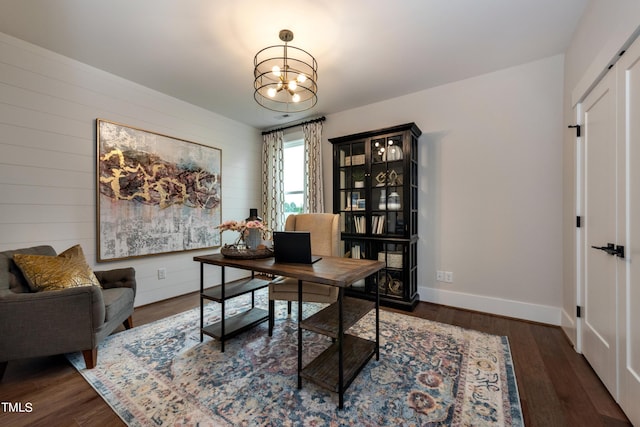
[605, 27]
[48, 107]
[490, 186]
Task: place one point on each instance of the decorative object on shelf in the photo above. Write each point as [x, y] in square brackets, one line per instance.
[388, 177]
[388, 152]
[355, 196]
[249, 243]
[392, 258]
[382, 204]
[285, 77]
[358, 177]
[393, 202]
[393, 177]
[395, 287]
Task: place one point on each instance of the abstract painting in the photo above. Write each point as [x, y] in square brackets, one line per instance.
[155, 194]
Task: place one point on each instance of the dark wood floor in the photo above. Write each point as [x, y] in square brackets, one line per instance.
[557, 386]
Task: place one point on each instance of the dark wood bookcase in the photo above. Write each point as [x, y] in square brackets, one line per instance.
[375, 191]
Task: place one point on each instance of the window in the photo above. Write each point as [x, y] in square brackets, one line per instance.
[293, 177]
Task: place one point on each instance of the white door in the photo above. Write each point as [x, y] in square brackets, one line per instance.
[628, 78]
[599, 332]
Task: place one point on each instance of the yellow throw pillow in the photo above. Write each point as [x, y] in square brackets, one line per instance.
[48, 273]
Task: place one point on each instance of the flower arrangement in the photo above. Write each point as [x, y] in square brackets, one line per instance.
[244, 228]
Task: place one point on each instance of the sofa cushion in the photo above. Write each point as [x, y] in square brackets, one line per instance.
[46, 273]
[116, 300]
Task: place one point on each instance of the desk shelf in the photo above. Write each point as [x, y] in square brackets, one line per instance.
[234, 289]
[326, 321]
[336, 367]
[322, 370]
[228, 327]
[237, 324]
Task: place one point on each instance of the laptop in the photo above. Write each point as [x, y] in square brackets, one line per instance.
[293, 247]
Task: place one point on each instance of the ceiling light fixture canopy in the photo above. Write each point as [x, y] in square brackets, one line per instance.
[285, 77]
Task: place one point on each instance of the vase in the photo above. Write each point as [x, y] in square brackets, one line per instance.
[253, 239]
[382, 205]
[393, 202]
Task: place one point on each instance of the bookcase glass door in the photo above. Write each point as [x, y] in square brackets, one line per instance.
[353, 197]
[376, 195]
[387, 172]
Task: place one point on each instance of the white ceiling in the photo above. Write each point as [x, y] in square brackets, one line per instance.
[201, 51]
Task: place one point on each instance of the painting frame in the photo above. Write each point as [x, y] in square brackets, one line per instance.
[155, 194]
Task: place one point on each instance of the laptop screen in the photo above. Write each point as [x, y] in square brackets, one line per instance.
[293, 247]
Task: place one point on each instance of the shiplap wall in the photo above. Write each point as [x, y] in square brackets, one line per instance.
[48, 107]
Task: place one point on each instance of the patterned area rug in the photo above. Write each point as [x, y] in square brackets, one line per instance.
[429, 374]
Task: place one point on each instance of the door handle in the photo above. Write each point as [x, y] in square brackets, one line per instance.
[612, 249]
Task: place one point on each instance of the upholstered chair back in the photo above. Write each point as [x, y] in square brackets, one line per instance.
[324, 230]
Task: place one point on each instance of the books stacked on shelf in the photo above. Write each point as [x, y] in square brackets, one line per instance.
[360, 224]
[356, 252]
[377, 224]
[354, 160]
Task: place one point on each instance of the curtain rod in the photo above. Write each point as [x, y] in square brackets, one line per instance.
[319, 119]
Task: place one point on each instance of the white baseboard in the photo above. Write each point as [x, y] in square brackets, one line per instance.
[570, 327]
[503, 307]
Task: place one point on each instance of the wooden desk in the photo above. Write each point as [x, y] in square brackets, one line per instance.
[348, 352]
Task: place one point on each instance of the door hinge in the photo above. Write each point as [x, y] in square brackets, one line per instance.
[578, 221]
[578, 311]
[577, 127]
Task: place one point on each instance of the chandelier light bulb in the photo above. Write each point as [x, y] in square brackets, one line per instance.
[295, 97]
[292, 85]
[301, 78]
[272, 92]
[276, 71]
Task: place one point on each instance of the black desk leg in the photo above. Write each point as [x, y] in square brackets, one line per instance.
[222, 313]
[299, 334]
[201, 300]
[340, 350]
[253, 293]
[378, 318]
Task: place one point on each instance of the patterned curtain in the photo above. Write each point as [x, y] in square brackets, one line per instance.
[273, 180]
[313, 192]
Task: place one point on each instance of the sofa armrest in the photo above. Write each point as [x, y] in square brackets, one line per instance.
[49, 322]
[118, 278]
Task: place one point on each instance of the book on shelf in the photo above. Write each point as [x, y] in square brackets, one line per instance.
[377, 224]
[356, 252]
[360, 224]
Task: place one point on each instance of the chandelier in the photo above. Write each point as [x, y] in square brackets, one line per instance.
[285, 77]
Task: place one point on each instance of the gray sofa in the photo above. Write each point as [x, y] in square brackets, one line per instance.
[45, 323]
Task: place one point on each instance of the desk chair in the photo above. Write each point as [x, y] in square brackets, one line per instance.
[325, 241]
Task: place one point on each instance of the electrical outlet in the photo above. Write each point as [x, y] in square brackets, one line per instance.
[440, 276]
[448, 276]
[162, 273]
